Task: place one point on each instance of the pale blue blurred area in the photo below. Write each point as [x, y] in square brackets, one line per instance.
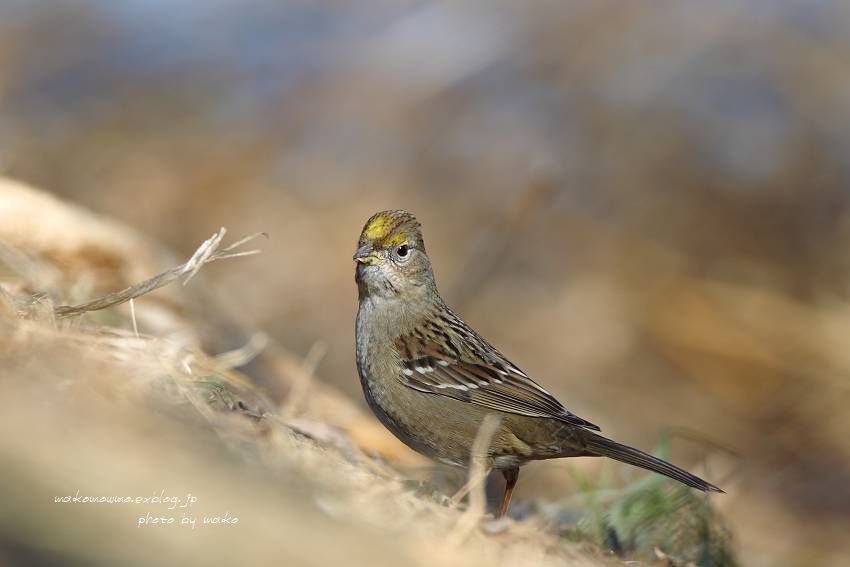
[252, 60]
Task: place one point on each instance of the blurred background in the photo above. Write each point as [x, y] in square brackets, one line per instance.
[645, 205]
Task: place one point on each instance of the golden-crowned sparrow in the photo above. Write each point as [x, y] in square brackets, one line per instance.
[431, 379]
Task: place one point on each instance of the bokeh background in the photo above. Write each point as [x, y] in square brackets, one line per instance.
[645, 205]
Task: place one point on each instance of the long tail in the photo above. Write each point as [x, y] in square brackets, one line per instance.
[602, 446]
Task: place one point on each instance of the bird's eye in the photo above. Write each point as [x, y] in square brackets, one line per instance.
[402, 251]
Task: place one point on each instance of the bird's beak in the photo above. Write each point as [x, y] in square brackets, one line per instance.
[366, 255]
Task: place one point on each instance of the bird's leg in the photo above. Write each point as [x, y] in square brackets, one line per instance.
[511, 476]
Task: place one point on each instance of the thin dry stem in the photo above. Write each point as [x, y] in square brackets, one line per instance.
[208, 252]
[133, 317]
[302, 381]
[479, 467]
[242, 355]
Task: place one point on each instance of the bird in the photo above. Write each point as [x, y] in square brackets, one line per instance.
[432, 380]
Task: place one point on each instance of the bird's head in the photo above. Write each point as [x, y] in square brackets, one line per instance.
[391, 259]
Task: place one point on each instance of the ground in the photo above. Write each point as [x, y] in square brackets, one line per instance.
[241, 456]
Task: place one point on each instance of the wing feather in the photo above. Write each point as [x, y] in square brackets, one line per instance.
[492, 382]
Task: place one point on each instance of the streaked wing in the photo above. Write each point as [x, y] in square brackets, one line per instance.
[492, 381]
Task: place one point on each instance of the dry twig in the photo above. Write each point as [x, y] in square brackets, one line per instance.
[206, 253]
[478, 470]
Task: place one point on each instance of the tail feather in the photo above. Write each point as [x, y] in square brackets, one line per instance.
[602, 446]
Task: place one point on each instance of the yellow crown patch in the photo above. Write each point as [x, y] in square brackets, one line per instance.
[379, 227]
[391, 228]
[394, 239]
